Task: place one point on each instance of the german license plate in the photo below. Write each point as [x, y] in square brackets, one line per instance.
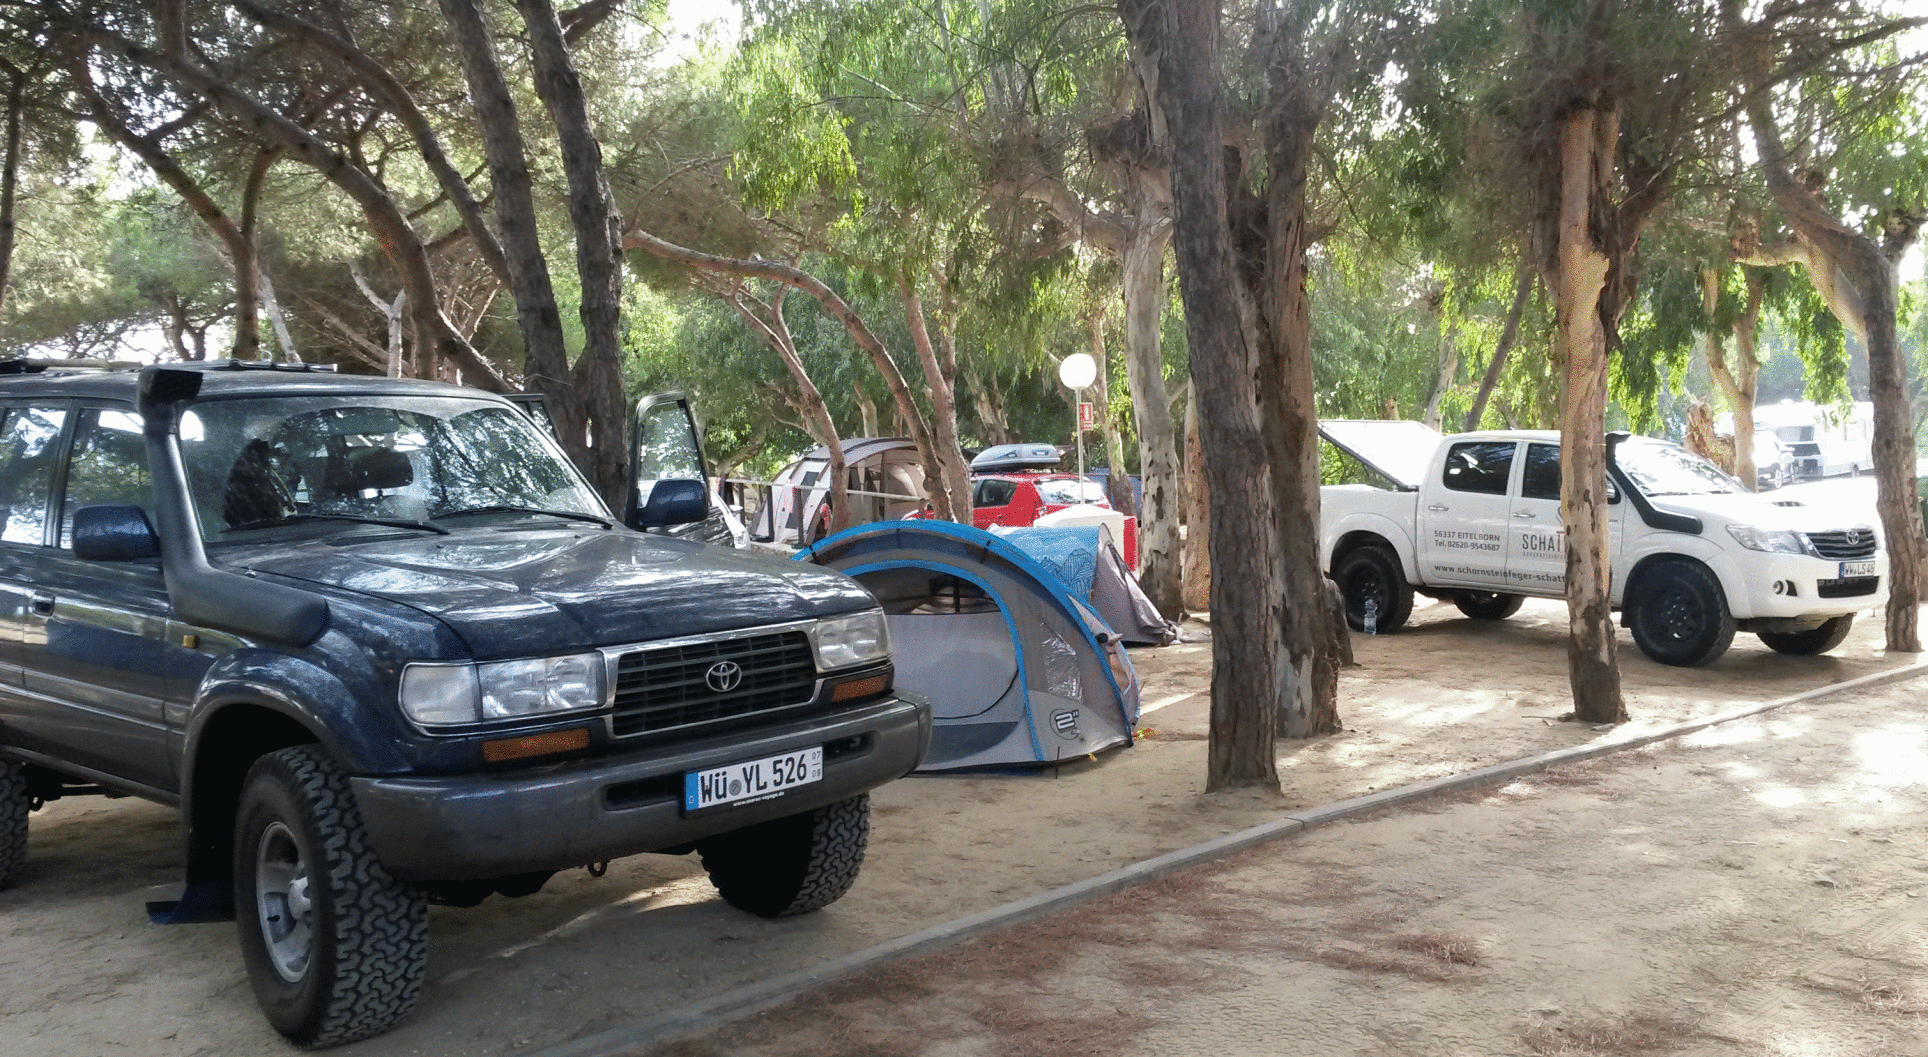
[752, 780]
[1853, 569]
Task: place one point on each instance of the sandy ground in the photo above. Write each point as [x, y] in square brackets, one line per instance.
[1757, 889]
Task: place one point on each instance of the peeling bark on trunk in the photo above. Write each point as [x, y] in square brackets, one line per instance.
[1118, 490]
[1198, 514]
[1448, 369]
[1587, 139]
[1738, 380]
[1159, 568]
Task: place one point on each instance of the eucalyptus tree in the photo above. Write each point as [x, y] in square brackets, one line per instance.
[1853, 268]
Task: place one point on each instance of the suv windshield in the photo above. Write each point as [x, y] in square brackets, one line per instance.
[293, 464]
[1667, 469]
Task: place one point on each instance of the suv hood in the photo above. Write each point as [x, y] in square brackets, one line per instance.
[512, 591]
[1396, 450]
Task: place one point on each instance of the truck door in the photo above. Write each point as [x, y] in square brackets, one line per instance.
[1536, 541]
[1463, 516]
[663, 446]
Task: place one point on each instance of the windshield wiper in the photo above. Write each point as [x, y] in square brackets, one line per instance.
[506, 508]
[270, 522]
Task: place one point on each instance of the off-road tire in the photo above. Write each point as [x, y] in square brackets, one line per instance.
[1488, 605]
[790, 866]
[1812, 641]
[1679, 614]
[359, 968]
[15, 803]
[1373, 572]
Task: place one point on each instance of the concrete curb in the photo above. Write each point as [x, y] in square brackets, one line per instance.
[640, 1035]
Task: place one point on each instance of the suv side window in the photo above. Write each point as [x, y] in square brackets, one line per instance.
[1479, 466]
[29, 443]
[1541, 479]
[109, 465]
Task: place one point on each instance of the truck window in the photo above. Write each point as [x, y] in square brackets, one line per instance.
[109, 465]
[1479, 466]
[1541, 479]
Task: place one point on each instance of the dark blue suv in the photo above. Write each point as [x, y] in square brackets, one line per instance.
[384, 647]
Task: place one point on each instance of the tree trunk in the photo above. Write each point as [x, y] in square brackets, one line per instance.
[545, 361]
[940, 379]
[1862, 296]
[1198, 514]
[1248, 649]
[597, 378]
[1117, 482]
[1739, 380]
[839, 309]
[1522, 291]
[775, 332]
[1448, 370]
[10, 169]
[1160, 572]
[1587, 141]
[1308, 704]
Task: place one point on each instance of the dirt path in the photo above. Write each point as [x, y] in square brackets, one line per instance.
[86, 974]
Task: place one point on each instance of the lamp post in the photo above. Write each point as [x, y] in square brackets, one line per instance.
[1077, 371]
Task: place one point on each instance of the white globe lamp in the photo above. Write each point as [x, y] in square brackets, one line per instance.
[1077, 371]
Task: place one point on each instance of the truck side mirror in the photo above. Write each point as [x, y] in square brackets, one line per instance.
[673, 502]
[117, 533]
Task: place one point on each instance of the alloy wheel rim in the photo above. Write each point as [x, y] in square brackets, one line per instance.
[284, 911]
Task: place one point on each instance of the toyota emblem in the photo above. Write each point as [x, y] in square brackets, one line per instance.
[724, 676]
[1853, 537]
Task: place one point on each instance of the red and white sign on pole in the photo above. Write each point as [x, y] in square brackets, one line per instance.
[1087, 415]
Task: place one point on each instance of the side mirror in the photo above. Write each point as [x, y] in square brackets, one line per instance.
[119, 533]
[673, 502]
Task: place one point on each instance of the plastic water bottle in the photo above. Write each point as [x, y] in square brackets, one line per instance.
[1372, 616]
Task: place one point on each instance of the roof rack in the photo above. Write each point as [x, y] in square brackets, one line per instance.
[258, 365]
[34, 365]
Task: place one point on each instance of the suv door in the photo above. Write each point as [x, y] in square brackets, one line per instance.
[663, 446]
[97, 633]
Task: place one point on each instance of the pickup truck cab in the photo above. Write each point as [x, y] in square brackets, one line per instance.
[1475, 518]
[382, 645]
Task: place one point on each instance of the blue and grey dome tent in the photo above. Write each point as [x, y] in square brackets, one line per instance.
[1017, 669]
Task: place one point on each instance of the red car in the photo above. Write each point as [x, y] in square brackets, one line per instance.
[1021, 498]
[1018, 499]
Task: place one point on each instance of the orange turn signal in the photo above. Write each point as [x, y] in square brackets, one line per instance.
[548, 743]
[860, 688]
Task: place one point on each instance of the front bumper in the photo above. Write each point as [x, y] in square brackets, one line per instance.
[477, 826]
[1795, 586]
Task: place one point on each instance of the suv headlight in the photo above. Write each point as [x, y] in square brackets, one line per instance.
[844, 641]
[1776, 541]
[450, 694]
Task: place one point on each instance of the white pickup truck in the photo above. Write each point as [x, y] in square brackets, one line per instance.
[1475, 518]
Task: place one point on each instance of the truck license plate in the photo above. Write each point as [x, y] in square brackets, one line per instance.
[752, 780]
[1852, 569]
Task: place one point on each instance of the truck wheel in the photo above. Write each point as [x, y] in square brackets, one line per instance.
[1679, 614]
[1488, 605]
[335, 947]
[14, 805]
[793, 865]
[1812, 641]
[1371, 574]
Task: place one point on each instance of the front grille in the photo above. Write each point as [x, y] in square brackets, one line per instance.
[669, 687]
[1845, 545]
[1852, 587]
